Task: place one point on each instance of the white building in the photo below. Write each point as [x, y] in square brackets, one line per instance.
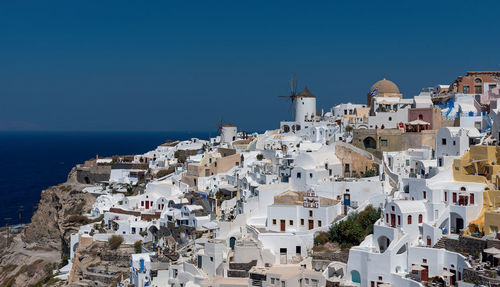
[140, 270]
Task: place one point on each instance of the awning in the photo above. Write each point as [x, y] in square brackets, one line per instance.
[416, 267]
[418, 123]
[492, 250]
[446, 273]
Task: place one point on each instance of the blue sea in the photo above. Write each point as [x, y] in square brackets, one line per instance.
[32, 161]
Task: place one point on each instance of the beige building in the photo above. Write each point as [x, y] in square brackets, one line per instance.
[211, 164]
[377, 141]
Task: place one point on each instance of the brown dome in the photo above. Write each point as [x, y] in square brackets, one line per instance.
[385, 87]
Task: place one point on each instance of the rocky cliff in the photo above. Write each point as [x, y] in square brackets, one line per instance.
[29, 257]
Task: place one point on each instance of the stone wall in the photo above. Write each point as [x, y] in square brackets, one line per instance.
[476, 277]
[92, 174]
[341, 256]
[465, 245]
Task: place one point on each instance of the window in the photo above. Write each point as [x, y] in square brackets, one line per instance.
[445, 196]
[387, 217]
[299, 175]
[407, 162]
[274, 221]
[424, 193]
[420, 218]
[383, 142]
[390, 118]
[392, 208]
[298, 249]
[409, 219]
[283, 284]
[471, 198]
[307, 280]
[291, 222]
[272, 280]
[399, 220]
[478, 89]
[319, 223]
[314, 282]
[311, 175]
[443, 141]
[302, 221]
[466, 89]
[310, 213]
[211, 259]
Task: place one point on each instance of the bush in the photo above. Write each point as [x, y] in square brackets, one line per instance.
[138, 246]
[115, 241]
[321, 238]
[355, 228]
[260, 156]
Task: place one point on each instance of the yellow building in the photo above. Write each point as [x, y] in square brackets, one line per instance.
[481, 164]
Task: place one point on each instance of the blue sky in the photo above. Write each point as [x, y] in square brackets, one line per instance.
[180, 65]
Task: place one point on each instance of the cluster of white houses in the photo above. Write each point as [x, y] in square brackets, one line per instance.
[243, 210]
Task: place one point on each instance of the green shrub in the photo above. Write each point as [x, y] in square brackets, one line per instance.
[115, 241]
[138, 246]
[260, 156]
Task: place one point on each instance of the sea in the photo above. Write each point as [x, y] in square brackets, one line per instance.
[33, 161]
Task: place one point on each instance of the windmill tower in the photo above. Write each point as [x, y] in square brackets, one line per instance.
[228, 132]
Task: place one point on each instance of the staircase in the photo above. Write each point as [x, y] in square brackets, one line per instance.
[441, 243]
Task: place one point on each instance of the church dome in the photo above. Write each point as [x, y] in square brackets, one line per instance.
[385, 87]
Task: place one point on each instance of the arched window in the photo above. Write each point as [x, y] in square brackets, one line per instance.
[409, 219]
[420, 218]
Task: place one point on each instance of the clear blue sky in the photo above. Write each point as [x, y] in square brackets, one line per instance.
[180, 65]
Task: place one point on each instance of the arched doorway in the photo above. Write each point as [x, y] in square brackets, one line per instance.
[383, 243]
[456, 222]
[232, 242]
[370, 142]
[355, 277]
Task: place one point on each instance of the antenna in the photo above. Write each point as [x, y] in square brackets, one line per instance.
[292, 93]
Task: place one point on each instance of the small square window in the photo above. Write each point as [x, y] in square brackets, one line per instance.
[291, 222]
[274, 221]
[299, 175]
[302, 221]
[310, 213]
[383, 142]
[319, 223]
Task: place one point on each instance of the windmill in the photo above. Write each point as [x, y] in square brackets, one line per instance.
[219, 124]
[292, 94]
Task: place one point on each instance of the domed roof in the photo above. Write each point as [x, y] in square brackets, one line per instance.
[385, 86]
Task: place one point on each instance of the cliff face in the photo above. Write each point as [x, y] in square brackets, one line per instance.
[58, 214]
[31, 255]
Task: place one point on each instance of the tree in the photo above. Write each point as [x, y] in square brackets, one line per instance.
[138, 246]
[349, 129]
[115, 241]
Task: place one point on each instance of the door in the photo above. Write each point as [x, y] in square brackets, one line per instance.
[232, 242]
[147, 204]
[282, 225]
[311, 224]
[460, 224]
[424, 275]
[428, 241]
[393, 220]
